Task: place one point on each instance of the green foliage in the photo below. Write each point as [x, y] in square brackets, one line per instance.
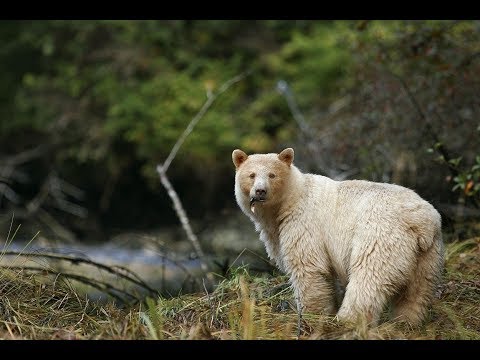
[314, 62]
[153, 320]
[468, 181]
[114, 96]
[141, 82]
[110, 98]
[411, 87]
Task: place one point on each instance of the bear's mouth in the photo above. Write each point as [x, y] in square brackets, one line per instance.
[252, 203]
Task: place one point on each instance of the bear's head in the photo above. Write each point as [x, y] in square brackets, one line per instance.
[261, 179]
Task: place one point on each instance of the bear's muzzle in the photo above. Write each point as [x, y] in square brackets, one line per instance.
[260, 195]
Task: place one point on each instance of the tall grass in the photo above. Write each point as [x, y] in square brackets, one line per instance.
[242, 306]
[246, 307]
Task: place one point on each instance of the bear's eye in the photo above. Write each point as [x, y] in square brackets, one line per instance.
[252, 175]
[271, 175]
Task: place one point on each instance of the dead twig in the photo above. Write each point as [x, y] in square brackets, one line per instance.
[182, 215]
[52, 191]
[97, 284]
[182, 267]
[284, 89]
[307, 137]
[133, 278]
[55, 226]
[210, 100]
[24, 156]
[162, 170]
[7, 170]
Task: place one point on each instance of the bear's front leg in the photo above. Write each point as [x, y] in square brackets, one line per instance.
[314, 292]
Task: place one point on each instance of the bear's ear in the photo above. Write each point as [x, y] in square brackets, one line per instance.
[286, 156]
[238, 157]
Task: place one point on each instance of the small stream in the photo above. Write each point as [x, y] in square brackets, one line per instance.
[169, 273]
[162, 258]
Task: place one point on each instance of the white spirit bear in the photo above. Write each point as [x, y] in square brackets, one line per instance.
[381, 242]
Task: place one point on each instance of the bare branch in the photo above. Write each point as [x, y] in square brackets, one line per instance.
[8, 192]
[182, 215]
[8, 169]
[284, 89]
[70, 189]
[70, 207]
[77, 260]
[24, 156]
[58, 188]
[97, 284]
[200, 114]
[162, 169]
[55, 190]
[313, 144]
[55, 226]
[177, 264]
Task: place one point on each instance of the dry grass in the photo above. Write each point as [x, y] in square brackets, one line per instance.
[33, 306]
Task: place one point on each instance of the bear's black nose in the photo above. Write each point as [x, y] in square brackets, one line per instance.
[260, 192]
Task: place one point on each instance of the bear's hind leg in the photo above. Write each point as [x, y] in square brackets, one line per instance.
[411, 305]
[376, 275]
[314, 293]
[362, 301]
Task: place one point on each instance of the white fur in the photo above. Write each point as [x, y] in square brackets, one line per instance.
[382, 242]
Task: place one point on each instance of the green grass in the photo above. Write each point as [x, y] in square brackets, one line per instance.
[243, 306]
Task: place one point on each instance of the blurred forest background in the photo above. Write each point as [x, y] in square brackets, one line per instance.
[89, 108]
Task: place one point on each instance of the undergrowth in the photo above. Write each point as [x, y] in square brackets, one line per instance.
[242, 306]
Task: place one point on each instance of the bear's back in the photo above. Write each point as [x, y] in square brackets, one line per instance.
[389, 206]
[373, 195]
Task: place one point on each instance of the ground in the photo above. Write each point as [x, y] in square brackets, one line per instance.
[243, 306]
